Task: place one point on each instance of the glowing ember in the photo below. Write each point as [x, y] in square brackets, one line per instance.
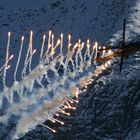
[80, 55]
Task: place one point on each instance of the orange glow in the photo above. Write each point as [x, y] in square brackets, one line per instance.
[8, 67]
[63, 112]
[75, 100]
[61, 122]
[109, 62]
[31, 33]
[106, 65]
[84, 90]
[54, 131]
[65, 107]
[110, 51]
[56, 114]
[69, 39]
[9, 34]
[11, 57]
[88, 43]
[52, 120]
[70, 101]
[22, 38]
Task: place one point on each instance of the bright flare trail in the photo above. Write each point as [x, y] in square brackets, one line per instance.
[78, 67]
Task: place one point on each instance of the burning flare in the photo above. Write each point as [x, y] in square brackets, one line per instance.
[78, 69]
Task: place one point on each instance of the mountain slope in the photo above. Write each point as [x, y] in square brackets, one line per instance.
[117, 106]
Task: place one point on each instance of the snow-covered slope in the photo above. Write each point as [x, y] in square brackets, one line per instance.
[108, 110]
[99, 20]
[95, 19]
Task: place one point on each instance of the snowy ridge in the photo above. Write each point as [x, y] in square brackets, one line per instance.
[99, 20]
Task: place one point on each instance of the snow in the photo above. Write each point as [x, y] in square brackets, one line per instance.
[98, 20]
